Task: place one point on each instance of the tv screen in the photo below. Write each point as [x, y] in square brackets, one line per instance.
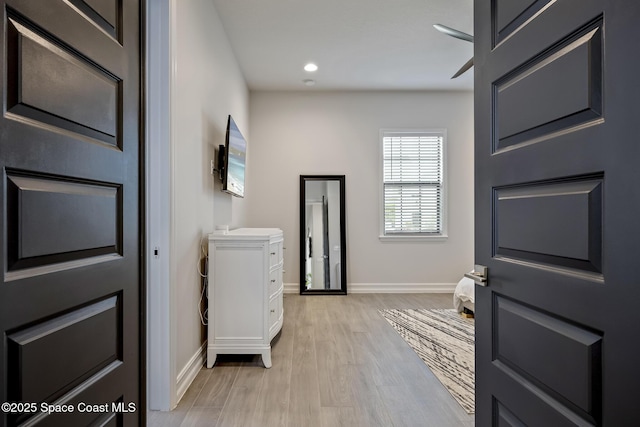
[235, 160]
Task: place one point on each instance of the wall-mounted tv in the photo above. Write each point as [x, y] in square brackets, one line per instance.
[233, 156]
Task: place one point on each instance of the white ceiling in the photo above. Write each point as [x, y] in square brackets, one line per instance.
[357, 44]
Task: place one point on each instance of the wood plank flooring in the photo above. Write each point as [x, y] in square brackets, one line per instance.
[337, 362]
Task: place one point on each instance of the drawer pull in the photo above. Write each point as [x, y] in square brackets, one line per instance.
[273, 310]
[273, 253]
[273, 280]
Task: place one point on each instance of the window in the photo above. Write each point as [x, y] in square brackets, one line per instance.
[413, 185]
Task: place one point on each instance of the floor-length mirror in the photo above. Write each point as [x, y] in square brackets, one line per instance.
[323, 268]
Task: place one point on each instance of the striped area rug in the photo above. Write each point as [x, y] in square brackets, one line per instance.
[444, 340]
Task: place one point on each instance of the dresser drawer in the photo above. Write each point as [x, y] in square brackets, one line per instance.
[275, 281]
[275, 309]
[275, 253]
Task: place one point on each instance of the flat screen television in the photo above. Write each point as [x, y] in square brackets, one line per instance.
[233, 155]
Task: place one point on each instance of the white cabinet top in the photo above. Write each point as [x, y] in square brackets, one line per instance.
[246, 233]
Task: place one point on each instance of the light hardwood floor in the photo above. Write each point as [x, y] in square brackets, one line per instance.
[337, 362]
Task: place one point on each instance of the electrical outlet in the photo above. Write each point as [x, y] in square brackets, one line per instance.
[212, 168]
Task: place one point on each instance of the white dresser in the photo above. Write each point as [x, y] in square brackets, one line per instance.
[245, 292]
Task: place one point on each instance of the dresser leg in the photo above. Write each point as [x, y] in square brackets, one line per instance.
[211, 359]
[266, 358]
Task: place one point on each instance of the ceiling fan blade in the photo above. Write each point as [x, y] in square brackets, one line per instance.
[464, 68]
[453, 33]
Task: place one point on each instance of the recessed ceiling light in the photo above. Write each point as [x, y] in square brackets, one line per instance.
[311, 67]
[309, 82]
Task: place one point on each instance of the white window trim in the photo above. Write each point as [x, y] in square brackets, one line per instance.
[445, 181]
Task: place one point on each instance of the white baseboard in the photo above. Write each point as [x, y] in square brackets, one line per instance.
[291, 288]
[190, 371]
[401, 288]
[387, 288]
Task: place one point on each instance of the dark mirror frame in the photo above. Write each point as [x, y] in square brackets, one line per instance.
[343, 236]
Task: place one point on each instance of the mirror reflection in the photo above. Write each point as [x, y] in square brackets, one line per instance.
[322, 252]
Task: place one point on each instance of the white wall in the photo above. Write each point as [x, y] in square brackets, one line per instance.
[207, 85]
[338, 133]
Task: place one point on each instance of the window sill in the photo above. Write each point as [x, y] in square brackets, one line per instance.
[413, 238]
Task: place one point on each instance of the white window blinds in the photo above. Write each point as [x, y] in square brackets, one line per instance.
[413, 183]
